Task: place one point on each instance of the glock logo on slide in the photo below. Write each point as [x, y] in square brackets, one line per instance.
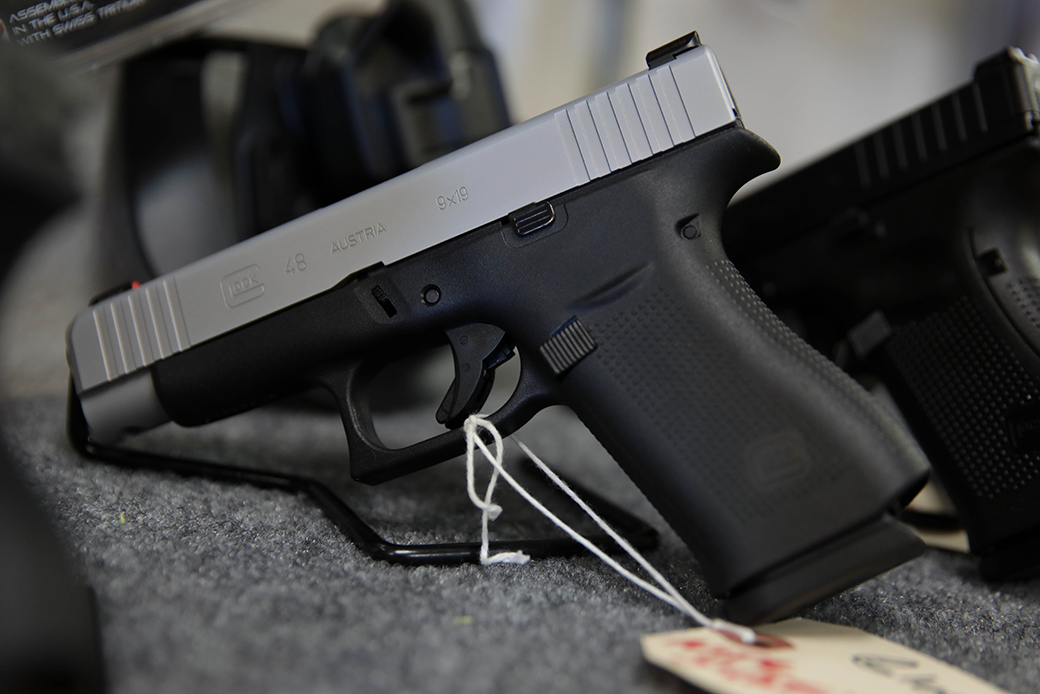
[242, 286]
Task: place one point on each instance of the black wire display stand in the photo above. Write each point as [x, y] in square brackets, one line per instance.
[641, 535]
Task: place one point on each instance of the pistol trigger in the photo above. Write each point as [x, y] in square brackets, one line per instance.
[478, 349]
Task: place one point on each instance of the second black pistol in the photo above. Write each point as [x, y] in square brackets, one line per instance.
[912, 258]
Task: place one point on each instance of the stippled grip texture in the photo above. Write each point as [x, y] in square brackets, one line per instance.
[976, 406]
[754, 447]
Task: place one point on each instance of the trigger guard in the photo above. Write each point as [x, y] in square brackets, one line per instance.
[372, 463]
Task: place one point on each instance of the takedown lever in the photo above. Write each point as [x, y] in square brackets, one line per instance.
[478, 349]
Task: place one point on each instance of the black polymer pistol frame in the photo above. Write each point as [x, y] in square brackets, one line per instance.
[913, 256]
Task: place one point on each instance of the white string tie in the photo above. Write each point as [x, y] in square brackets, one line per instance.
[664, 590]
[489, 510]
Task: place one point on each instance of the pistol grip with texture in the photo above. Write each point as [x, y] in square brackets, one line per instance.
[777, 469]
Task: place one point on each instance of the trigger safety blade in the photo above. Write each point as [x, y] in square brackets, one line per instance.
[478, 349]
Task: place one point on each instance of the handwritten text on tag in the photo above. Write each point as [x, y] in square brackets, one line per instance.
[806, 657]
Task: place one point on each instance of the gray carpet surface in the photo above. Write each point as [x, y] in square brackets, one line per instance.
[207, 587]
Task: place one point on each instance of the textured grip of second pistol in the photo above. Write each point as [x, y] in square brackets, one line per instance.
[755, 448]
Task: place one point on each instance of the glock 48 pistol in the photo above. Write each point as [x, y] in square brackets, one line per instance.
[586, 240]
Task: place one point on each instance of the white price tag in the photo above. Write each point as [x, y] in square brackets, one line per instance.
[806, 657]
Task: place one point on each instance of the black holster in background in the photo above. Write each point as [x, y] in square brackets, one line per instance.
[219, 140]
